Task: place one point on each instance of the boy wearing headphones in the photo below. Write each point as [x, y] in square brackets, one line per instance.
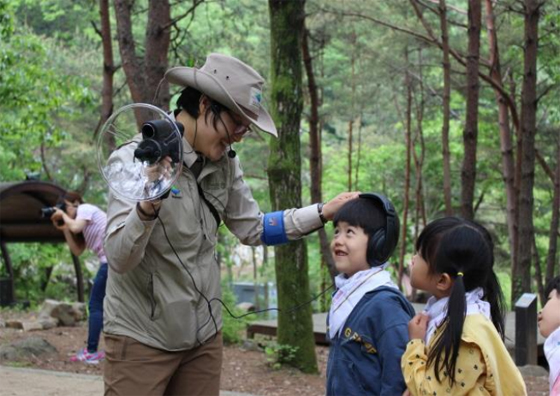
[368, 320]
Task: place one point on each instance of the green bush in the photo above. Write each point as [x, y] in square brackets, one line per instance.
[233, 328]
[278, 354]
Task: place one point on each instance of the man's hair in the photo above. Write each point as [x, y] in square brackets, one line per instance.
[189, 100]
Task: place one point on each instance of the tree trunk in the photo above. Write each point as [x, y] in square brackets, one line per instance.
[157, 47]
[295, 327]
[506, 145]
[553, 236]
[419, 139]
[516, 182]
[470, 133]
[446, 109]
[408, 142]
[358, 154]
[353, 38]
[131, 64]
[315, 162]
[350, 138]
[108, 70]
[521, 276]
[144, 78]
[538, 272]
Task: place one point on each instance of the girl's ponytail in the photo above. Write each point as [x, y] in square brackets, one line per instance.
[447, 344]
[492, 291]
[494, 295]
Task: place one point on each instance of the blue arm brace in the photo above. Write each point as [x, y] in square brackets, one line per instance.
[274, 232]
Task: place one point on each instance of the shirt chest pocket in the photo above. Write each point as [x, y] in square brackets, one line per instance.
[364, 342]
[215, 190]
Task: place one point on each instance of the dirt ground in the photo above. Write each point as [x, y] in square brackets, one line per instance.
[244, 371]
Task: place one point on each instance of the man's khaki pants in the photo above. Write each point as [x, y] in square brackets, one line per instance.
[132, 368]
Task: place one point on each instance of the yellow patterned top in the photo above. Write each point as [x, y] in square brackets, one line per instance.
[484, 366]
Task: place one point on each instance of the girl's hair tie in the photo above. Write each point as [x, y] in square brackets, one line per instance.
[460, 274]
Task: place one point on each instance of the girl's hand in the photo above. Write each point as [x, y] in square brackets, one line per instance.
[406, 393]
[417, 326]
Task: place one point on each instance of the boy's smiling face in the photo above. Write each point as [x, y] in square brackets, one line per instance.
[549, 317]
[349, 249]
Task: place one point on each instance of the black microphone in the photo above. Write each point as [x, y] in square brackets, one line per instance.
[231, 153]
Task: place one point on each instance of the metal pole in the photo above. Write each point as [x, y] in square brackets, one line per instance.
[526, 330]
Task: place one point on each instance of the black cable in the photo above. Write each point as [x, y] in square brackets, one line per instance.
[192, 279]
[209, 302]
[295, 308]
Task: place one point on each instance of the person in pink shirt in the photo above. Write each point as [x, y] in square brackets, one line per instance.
[84, 226]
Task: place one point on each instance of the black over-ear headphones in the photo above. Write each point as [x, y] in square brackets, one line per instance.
[384, 241]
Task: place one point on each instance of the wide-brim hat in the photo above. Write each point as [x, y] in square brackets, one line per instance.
[230, 82]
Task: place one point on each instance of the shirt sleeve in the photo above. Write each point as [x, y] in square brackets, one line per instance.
[127, 235]
[390, 348]
[245, 220]
[421, 380]
[388, 325]
[85, 212]
[555, 391]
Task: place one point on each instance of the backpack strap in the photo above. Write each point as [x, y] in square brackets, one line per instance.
[210, 206]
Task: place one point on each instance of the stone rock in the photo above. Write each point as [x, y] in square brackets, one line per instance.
[80, 312]
[534, 371]
[48, 323]
[32, 346]
[32, 325]
[249, 345]
[66, 314]
[14, 324]
[48, 307]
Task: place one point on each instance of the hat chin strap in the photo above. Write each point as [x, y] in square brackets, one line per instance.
[231, 153]
[157, 90]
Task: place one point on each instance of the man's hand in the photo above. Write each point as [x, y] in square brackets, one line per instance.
[160, 170]
[417, 326]
[331, 207]
[148, 210]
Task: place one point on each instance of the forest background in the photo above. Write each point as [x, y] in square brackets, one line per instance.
[448, 107]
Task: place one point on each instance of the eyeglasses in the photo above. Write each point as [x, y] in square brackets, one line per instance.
[240, 130]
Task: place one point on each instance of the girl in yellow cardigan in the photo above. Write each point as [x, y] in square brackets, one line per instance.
[456, 345]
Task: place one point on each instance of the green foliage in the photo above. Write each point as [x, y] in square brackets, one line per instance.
[233, 328]
[6, 20]
[60, 19]
[278, 354]
[30, 264]
[504, 279]
[38, 100]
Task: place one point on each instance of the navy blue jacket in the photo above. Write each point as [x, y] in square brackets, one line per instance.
[365, 358]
